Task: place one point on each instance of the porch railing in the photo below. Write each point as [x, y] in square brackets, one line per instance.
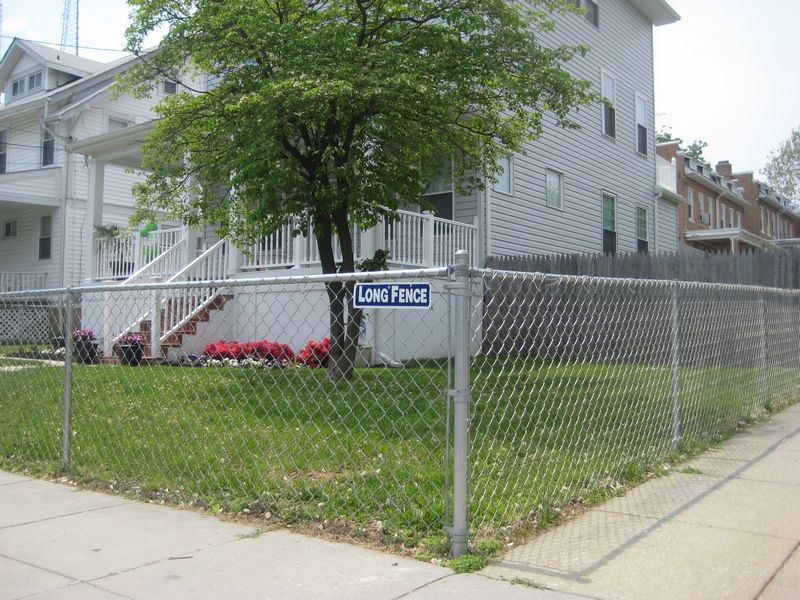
[21, 282]
[121, 257]
[666, 176]
[414, 239]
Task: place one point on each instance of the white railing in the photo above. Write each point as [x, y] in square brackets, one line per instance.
[449, 237]
[414, 239]
[123, 256]
[22, 282]
[666, 175]
[180, 305]
[273, 251]
[165, 264]
[115, 258]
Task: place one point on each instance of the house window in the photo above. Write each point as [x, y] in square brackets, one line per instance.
[592, 13]
[117, 124]
[609, 224]
[730, 217]
[503, 183]
[641, 230]
[3, 151]
[722, 214]
[48, 147]
[608, 90]
[45, 237]
[10, 229]
[641, 125]
[35, 81]
[762, 219]
[702, 202]
[18, 87]
[739, 220]
[690, 213]
[554, 183]
[439, 186]
[170, 87]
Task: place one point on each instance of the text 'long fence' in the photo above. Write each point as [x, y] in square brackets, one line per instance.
[511, 395]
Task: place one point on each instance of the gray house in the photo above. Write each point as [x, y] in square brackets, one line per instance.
[593, 189]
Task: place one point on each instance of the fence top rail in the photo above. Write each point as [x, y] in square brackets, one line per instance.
[370, 276]
[628, 281]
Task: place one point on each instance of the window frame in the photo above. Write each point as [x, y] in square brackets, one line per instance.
[169, 82]
[592, 14]
[690, 202]
[42, 238]
[641, 121]
[10, 229]
[613, 197]
[642, 241]
[560, 174]
[510, 173]
[3, 151]
[48, 156]
[608, 119]
[439, 194]
[120, 120]
[37, 81]
[20, 85]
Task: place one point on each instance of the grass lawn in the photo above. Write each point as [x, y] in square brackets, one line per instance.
[290, 443]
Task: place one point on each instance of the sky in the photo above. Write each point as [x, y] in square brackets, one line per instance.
[727, 73]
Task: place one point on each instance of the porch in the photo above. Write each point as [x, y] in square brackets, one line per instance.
[412, 240]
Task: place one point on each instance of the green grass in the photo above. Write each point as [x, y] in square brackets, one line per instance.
[366, 455]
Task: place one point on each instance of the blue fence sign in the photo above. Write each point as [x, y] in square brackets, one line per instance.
[392, 295]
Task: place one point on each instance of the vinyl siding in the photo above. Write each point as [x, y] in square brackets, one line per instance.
[667, 227]
[20, 254]
[592, 163]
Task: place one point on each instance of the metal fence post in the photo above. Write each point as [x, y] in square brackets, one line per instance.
[459, 533]
[676, 370]
[764, 384]
[155, 321]
[69, 327]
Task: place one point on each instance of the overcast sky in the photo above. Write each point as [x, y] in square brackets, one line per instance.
[728, 72]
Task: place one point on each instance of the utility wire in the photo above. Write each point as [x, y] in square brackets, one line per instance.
[58, 44]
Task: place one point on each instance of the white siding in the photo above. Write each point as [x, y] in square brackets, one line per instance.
[20, 254]
[591, 162]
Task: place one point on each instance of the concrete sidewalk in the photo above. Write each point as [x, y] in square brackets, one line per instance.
[726, 525]
[730, 528]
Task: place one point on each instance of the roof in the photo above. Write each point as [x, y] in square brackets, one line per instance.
[51, 57]
[657, 11]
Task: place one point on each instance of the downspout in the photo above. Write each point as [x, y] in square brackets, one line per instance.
[63, 269]
[484, 216]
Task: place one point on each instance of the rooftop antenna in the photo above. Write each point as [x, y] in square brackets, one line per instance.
[69, 25]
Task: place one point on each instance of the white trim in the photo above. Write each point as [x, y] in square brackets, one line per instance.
[645, 122]
[510, 191]
[603, 74]
[561, 178]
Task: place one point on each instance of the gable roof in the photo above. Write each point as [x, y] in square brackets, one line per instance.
[49, 57]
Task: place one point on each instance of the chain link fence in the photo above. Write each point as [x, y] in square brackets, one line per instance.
[513, 394]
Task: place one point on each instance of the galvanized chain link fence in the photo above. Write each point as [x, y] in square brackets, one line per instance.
[511, 395]
[583, 383]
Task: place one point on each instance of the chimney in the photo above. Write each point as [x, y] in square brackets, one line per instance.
[724, 168]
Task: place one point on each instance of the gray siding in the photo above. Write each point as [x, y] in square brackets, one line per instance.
[591, 162]
[667, 226]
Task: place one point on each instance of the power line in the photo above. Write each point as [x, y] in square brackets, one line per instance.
[57, 44]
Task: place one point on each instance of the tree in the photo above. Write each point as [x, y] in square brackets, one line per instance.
[783, 167]
[695, 149]
[329, 111]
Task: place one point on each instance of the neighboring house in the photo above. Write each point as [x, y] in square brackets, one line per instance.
[724, 210]
[770, 215]
[53, 98]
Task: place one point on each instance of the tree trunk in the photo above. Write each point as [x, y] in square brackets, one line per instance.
[345, 321]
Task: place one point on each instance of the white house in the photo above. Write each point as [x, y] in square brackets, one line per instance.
[53, 98]
[589, 190]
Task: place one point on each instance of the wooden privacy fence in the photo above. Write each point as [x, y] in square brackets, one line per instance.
[778, 268]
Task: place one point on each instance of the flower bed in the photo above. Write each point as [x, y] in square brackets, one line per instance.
[262, 353]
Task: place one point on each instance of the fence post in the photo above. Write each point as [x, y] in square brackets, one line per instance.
[155, 321]
[763, 379]
[69, 327]
[459, 533]
[676, 369]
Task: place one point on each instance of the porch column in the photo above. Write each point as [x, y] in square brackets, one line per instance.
[94, 214]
